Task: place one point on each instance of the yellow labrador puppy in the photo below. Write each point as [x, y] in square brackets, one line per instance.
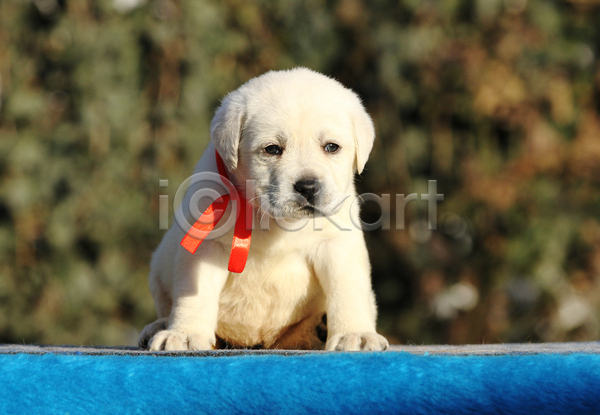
[291, 142]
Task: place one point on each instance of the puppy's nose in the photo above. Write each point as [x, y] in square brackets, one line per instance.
[308, 188]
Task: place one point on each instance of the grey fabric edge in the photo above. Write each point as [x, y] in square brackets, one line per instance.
[435, 350]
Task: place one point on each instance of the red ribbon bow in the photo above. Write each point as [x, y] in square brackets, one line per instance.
[242, 233]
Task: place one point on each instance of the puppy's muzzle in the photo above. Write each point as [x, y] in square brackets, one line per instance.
[309, 189]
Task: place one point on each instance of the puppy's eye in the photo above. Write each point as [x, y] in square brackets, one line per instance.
[331, 148]
[274, 150]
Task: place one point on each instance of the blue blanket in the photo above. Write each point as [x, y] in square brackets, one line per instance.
[319, 383]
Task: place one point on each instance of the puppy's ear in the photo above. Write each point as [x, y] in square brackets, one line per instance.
[364, 135]
[226, 129]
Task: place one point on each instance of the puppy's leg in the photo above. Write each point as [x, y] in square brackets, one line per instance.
[342, 266]
[150, 330]
[197, 283]
[307, 334]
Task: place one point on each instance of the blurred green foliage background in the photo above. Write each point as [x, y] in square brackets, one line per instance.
[497, 100]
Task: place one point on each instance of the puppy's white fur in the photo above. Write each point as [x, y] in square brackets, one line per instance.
[291, 277]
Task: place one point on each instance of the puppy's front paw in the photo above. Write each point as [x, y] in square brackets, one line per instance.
[357, 342]
[176, 340]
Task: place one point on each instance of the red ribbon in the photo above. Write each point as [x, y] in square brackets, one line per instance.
[242, 232]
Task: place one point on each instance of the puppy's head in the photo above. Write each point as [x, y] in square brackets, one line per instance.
[297, 137]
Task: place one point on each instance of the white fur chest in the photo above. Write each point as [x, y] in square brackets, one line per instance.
[272, 293]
